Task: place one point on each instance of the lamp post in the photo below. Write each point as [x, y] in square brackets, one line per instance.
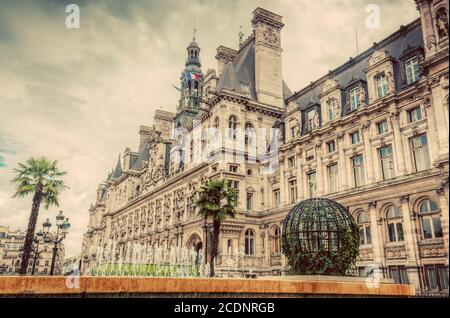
[35, 249]
[62, 227]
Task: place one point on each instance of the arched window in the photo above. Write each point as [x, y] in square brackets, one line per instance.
[430, 219]
[394, 224]
[229, 246]
[249, 242]
[232, 126]
[364, 228]
[276, 247]
[249, 134]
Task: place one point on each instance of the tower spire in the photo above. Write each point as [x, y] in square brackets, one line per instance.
[241, 35]
[194, 31]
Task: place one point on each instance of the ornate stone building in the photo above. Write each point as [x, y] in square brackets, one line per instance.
[371, 134]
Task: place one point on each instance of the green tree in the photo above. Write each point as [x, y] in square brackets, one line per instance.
[42, 178]
[217, 201]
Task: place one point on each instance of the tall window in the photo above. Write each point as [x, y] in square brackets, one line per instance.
[382, 127]
[293, 125]
[249, 242]
[430, 220]
[412, 70]
[364, 228]
[394, 223]
[293, 191]
[386, 162]
[421, 155]
[249, 133]
[331, 146]
[249, 201]
[333, 178]
[276, 247]
[381, 85]
[276, 198]
[232, 126]
[331, 105]
[354, 98]
[312, 184]
[436, 277]
[355, 137]
[291, 162]
[358, 170]
[414, 114]
[398, 274]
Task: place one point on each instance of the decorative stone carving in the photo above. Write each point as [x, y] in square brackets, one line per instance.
[431, 42]
[377, 56]
[442, 23]
[270, 36]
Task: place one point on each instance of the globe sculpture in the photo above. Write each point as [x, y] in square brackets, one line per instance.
[320, 237]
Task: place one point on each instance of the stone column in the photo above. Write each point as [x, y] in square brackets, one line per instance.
[319, 172]
[377, 242]
[412, 266]
[443, 194]
[283, 190]
[437, 105]
[368, 153]
[432, 135]
[398, 145]
[300, 186]
[427, 27]
[342, 162]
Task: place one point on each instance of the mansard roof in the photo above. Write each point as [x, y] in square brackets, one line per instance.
[117, 170]
[143, 155]
[242, 71]
[396, 44]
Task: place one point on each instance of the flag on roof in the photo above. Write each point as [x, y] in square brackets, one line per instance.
[192, 76]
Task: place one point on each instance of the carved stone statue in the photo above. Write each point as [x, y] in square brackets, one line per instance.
[390, 82]
[442, 24]
[362, 96]
[316, 120]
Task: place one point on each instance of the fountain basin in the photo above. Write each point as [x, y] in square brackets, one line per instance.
[89, 286]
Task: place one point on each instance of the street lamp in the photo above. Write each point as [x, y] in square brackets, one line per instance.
[62, 227]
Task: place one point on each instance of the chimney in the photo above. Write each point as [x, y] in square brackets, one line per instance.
[268, 71]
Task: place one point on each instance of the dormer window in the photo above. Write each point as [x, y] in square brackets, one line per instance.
[381, 85]
[354, 98]
[412, 70]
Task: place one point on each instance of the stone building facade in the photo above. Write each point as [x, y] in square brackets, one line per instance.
[371, 134]
[11, 245]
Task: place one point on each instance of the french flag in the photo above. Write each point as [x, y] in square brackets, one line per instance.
[192, 76]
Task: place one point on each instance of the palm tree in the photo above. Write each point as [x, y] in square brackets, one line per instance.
[41, 177]
[217, 201]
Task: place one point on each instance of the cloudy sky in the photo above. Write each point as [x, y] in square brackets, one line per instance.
[79, 95]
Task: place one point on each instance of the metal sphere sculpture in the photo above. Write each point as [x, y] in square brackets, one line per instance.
[320, 237]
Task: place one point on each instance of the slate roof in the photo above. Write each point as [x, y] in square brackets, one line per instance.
[143, 155]
[117, 170]
[397, 44]
[242, 71]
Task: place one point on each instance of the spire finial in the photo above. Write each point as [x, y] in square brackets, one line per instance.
[241, 34]
[194, 30]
